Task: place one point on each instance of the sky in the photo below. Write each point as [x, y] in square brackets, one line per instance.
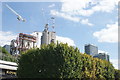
[77, 22]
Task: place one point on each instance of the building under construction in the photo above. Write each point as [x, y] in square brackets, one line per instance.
[22, 43]
[26, 42]
[47, 36]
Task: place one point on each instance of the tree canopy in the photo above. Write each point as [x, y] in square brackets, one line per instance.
[62, 61]
[3, 50]
[4, 55]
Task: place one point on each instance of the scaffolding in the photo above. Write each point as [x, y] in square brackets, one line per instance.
[26, 42]
[22, 43]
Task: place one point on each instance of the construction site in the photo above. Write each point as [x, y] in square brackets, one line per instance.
[45, 25]
[25, 41]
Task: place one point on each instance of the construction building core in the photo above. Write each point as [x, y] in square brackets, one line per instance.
[26, 42]
[47, 36]
[22, 43]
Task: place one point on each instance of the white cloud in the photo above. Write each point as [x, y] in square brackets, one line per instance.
[87, 7]
[115, 63]
[108, 34]
[65, 40]
[6, 37]
[52, 5]
[86, 21]
[70, 17]
[74, 7]
[63, 15]
[71, 9]
[101, 51]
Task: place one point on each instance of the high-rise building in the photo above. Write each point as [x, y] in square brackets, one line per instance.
[47, 36]
[91, 49]
[103, 56]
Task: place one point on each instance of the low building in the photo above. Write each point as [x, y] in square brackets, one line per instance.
[7, 69]
[103, 56]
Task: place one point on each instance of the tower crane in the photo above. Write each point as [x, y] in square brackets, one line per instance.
[19, 17]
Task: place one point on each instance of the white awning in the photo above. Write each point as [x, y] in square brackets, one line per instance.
[7, 67]
[8, 63]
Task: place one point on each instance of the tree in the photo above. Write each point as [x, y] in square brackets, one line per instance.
[3, 50]
[50, 61]
[4, 55]
[88, 69]
[117, 74]
[63, 61]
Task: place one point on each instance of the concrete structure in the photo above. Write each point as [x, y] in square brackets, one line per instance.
[7, 69]
[47, 36]
[38, 38]
[22, 43]
[7, 47]
[13, 47]
[91, 49]
[26, 42]
[103, 56]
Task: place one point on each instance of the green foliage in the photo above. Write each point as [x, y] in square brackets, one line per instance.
[8, 58]
[104, 70]
[62, 61]
[51, 61]
[117, 74]
[4, 55]
[3, 50]
[88, 69]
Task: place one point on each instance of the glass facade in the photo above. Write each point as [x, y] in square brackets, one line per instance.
[102, 56]
[91, 49]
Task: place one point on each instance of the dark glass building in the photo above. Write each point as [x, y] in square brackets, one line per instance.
[91, 49]
[102, 56]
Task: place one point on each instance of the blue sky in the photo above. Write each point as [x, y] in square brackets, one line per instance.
[87, 22]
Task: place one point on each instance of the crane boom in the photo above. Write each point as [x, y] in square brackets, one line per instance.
[18, 16]
[12, 10]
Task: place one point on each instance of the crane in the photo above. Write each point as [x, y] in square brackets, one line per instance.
[18, 16]
[53, 22]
